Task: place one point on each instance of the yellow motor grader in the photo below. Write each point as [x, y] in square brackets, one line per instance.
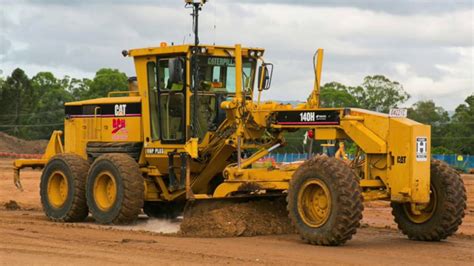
[180, 132]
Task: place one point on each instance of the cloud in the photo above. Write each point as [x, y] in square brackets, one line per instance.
[5, 45]
[425, 45]
[454, 82]
[385, 6]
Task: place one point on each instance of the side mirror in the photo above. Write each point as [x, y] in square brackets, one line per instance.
[265, 73]
[176, 69]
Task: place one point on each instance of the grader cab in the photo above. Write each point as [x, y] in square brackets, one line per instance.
[182, 134]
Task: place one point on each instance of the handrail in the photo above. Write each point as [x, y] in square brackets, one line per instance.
[130, 93]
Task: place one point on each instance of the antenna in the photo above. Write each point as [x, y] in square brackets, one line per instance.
[215, 22]
[196, 5]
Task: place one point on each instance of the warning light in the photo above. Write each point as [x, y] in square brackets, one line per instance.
[217, 84]
[310, 134]
[163, 44]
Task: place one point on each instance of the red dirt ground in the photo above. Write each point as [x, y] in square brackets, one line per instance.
[27, 237]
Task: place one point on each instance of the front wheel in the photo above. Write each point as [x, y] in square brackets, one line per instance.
[325, 201]
[441, 217]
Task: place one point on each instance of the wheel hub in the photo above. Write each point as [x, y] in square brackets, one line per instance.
[105, 191]
[57, 189]
[314, 203]
[421, 213]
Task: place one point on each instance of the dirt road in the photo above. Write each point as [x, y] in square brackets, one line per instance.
[27, 237]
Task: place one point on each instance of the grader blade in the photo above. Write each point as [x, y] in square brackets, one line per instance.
[236, 217]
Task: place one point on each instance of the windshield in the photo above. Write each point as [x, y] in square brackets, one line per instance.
[218, 73]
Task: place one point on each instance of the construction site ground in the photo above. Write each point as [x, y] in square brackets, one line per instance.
[28, 237]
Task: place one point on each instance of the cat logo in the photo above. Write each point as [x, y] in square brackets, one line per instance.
[120, 109]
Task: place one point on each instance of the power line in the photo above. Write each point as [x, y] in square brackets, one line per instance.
[32, 114]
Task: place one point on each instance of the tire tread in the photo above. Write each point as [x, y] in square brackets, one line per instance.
[78, 167]
[349, 200]
[454, 207]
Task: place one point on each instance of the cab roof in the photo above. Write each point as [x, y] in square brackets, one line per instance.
[184, 48]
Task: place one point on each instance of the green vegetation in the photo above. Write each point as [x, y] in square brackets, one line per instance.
[32, 108]
[378, 93]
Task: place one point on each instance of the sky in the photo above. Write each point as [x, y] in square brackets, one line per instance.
[427, 46]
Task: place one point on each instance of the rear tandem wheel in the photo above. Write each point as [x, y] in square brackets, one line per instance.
[115, 189]
[62, 188]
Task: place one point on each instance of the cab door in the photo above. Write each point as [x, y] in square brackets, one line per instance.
[167, 100]
[171, 100]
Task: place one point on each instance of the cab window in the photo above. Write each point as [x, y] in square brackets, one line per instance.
[217, 74]
[153, 100]
[171, 98]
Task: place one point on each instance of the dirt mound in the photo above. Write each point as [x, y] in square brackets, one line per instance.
[227, 219]
[12, 205]
[12, 144]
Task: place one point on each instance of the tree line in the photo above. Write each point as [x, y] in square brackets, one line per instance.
[31, 108]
